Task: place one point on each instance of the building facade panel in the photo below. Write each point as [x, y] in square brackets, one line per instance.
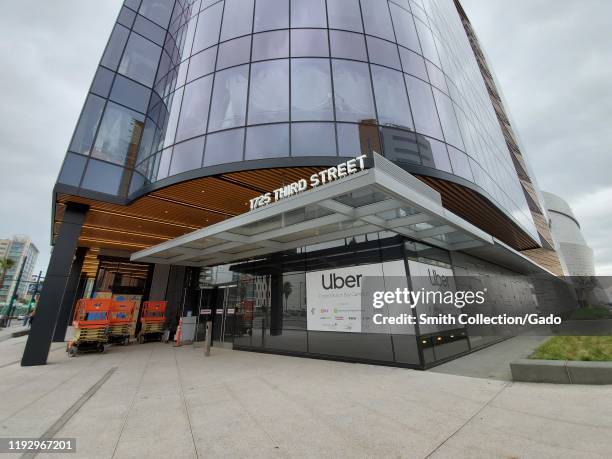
[161, 108]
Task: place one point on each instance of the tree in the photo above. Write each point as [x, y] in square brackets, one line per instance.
[287, 290]
[5, 265]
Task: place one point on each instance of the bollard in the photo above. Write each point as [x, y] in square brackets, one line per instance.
[208, 338]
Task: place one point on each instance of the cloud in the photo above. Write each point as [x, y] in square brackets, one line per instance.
[552, 60]
[49, 52]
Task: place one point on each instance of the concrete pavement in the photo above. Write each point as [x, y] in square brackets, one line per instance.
[161, 401]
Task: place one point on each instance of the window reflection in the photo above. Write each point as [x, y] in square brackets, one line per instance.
[423, 107]
[308, 13]
[271, 14]
[353, 91]
[115, 46]
[347, 45]
[270, 45]
[229, 98]
[376, 19]
[140, 60]
[187, 156]
[309, 43]
[224, 147]
[237, 18]
[313, 139]
[194, 112]
[311, 91]
[119, 135]
[384, 53]
[202, 64]
[391, 99]
[102, 177]
[344, 14]
[88, 124]
[271, 141]
[209, 22]
[404, 28]
[269, 92]
[234, 52]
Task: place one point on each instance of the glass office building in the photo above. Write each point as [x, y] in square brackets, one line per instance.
[197, 107]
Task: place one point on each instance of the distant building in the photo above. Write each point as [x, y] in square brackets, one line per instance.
[575, 254]
[21, 250]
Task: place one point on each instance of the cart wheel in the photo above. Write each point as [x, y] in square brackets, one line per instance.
[126, 341]
[72, 351]
[140, 339]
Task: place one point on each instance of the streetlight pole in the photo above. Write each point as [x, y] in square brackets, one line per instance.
[15, 292]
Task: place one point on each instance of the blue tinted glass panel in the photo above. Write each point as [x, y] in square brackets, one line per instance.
[237, 18]
[376, 19]
[434, 153]
[344, 14]
[311, 91]
[164, 164]
[175, 107]
[119, 134]
[126, 17]
[404, 28]
[347, 45]
[140, 60]
[461, 165]
[427, 43]
[271, 14]
[384, 53]
[423, 108]
[269, 96]
[102, 82]
[234, 52]
[313, 139]
[308, 13]
[309, 43]
[202, 64]
[353, 91]
[138, 182]
[158, 11]
[391, 98]
[115, 46]
[450, 127]
[187, 156]
[228, 107]
[129, 93]
[224, 147]
[413, 63]
[348, 139]
[209, 23]
[150, 30]
[88, 123]
[436, 77]
[194, 112]
[72, 170]
[270, 45]
[270, 141]
[102, 177]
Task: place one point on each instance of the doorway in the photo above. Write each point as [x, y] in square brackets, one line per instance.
[227, 301]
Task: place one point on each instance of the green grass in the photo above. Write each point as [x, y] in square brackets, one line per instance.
[590, 348]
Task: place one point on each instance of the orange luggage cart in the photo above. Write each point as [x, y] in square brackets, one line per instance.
[91, 320]
[120, 318]
[152, 321]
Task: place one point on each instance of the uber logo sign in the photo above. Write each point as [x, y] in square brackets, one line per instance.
[332, 281]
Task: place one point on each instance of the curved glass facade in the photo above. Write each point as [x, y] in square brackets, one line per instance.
[185, 85]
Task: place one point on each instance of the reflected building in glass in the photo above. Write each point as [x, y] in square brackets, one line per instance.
[198, 106]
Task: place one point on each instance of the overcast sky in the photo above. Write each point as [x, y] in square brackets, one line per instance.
[553, 60]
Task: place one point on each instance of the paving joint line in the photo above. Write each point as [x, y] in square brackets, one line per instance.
[505, 386]
[70, 412]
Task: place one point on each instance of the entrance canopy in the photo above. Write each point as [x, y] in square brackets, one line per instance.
[382, 198]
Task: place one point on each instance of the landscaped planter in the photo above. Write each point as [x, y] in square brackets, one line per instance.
[561, 371]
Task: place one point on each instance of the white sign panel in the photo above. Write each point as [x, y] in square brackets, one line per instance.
[334, 296]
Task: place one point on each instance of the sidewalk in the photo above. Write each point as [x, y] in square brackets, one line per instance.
[16, 326]
[157, 401]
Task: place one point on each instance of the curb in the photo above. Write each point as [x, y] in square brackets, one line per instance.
[561, 371]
